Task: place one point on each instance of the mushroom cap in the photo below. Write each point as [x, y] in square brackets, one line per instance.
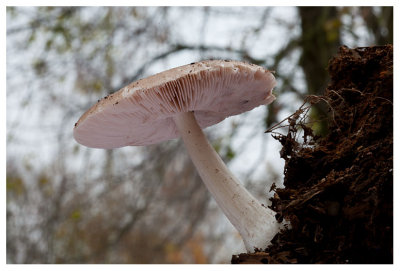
[142, 112]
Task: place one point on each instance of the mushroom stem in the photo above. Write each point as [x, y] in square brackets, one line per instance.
[255, 223]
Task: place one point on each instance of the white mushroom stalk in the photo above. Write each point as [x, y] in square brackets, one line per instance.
[255, 223]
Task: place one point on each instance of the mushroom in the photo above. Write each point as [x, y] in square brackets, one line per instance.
[180, 102]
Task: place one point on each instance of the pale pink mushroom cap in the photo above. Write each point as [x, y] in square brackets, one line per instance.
[142, 112]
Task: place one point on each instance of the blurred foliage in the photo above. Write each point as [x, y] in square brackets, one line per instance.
[15, 185]
[141, 205]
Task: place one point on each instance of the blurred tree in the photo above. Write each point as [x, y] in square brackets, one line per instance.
[379, 22]
[320, 29]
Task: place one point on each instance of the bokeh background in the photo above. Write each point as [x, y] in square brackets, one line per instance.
[70, 204]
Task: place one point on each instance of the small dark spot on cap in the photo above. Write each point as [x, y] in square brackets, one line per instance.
[116, 102]
[76, 124]
[245, 101]
[98, 101]
[192, 63]
[188, 131]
